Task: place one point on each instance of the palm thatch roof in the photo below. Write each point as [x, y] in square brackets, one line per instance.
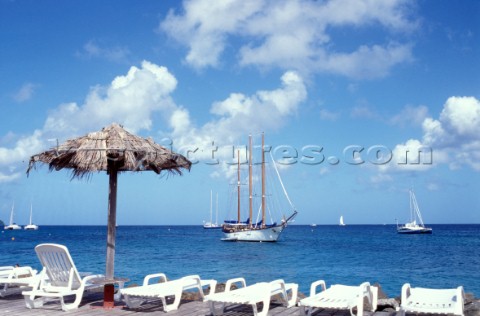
[112, 147]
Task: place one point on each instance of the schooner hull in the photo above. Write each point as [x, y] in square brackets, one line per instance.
[268, 234]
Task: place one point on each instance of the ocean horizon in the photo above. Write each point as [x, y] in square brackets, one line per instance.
[349, 254]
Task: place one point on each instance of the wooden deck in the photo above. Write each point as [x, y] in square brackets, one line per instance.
[92, 305]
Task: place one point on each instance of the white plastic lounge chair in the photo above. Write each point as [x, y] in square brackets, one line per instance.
[251, 295]
[14, 280]
[340, 297]
[432, 301]
[135, 296]
[59, 278]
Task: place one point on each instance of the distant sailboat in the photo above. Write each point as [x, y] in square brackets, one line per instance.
[341, 221]
[12, 225]
[211, 224]
[413, 227]
[31, 226]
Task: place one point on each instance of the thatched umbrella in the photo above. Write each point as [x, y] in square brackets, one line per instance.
[113, 150]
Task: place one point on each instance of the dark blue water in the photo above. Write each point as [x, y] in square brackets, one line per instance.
[349, 255]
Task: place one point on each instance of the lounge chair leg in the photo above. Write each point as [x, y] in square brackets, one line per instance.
[303, 312]
[293, 299]
[266, 307]
[174, 305]
[132, 302]
[71, 306]
[216, 311]
[30, 301]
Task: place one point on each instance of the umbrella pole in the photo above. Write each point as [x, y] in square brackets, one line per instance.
[112, 218]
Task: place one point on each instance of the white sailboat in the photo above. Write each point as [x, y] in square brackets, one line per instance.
[341, 221]
[236, 230]
[414, 227]
[30, 226]
[211, 224]
[12, 225]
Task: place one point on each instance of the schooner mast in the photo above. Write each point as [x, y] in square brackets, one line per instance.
[263, 181]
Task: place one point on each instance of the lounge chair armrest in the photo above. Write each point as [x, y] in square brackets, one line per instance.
[229, 283]
[369, 291]
[88, 279]
[212, 284]
[6, 268]
[161, 276]
[365, 288]
[405, 292]
[193, 276]
[277, 286]
[313, 287]
[460, 301]
[23, 271]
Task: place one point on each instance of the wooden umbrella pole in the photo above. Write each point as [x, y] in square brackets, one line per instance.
[112, 222]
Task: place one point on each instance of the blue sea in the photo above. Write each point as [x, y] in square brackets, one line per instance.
[347, 255]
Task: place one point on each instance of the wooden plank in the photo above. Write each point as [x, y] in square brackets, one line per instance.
[15, 306]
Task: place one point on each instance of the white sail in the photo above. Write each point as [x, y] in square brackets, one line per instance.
[341, 221]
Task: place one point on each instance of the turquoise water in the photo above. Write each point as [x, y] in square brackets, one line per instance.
[349, 255]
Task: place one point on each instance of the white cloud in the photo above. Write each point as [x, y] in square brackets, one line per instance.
[129, 100]
[9, 177]
[380, 178]
[238, 115]
[22, 148]
[366, 62]
[410, 116]
[461, 117]
[364, 111]
[132, 99]
[10, 158]
[205, 25]
[456, 133]
[291, 34]
[25, 93]
[93, 50]
[452, 139]
[329, 115]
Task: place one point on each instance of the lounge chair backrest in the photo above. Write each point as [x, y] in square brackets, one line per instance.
[5, 271]
[58, 265]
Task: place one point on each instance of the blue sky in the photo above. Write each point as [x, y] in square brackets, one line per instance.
[340, 76]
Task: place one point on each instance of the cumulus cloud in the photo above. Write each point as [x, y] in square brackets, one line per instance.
[129, 99]
[25, 93]
[133, 98]
[452, 139]
[10, 158]
[239, 114]
[292, 34]
[456, 133]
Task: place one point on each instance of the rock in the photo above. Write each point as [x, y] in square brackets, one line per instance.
[381, 294]
[385, 303]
